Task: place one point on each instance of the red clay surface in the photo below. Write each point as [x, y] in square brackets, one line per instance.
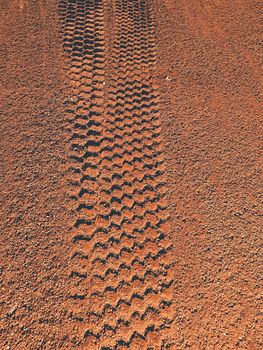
[33, 214]
[211, 79]
[130, 175]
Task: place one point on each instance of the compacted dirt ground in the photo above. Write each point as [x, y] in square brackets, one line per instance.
[210, 73]
[130, 174]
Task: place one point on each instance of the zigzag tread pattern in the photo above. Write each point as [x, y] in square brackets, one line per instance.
[121, 282]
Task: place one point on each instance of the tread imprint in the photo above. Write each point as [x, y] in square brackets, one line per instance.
[121, 264]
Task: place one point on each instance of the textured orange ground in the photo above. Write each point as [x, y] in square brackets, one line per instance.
[33, 217]
[130, 174]
[210, 71]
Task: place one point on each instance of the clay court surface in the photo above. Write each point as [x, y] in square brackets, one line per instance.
[131, 158]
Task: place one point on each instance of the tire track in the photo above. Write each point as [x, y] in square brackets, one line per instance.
[121, 279]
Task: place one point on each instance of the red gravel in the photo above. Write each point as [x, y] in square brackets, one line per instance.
[209, 71]
[33, 214]
[209, 82]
